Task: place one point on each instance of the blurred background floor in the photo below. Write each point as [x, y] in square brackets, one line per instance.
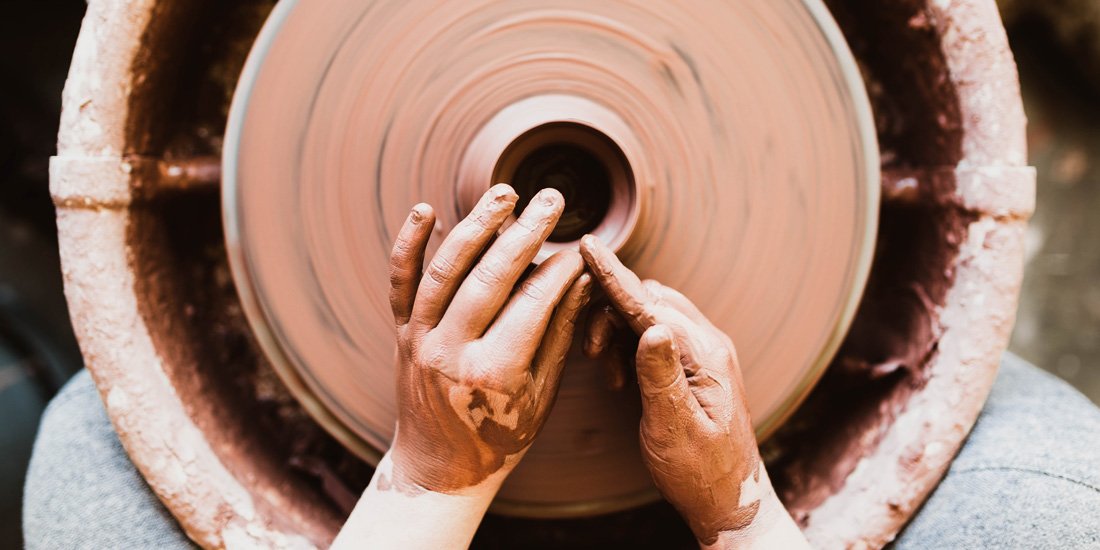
[1057, 44]
[37, 349]
[1058, 323]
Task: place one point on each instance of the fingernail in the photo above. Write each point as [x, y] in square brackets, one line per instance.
[616, 381]
[586, 286]
[502, 192]
[658, 334]
[419, 212]
[592, 242]
[550, 197]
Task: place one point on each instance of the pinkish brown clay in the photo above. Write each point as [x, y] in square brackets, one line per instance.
[840, 188]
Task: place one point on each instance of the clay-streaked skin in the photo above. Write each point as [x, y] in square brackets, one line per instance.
[480, 356]
[479, 360]
[100, 268]
[696, 435]
[478, 364]
[749, 163]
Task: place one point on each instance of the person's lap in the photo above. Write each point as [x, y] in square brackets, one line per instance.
[82, 491]
[1028, 476]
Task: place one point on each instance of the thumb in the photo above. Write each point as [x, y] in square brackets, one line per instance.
[666, 397]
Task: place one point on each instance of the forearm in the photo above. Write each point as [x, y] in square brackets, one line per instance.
[392, 514]
[772, 527]
[776, 531]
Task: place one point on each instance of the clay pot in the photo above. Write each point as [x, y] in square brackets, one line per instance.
[239, 462]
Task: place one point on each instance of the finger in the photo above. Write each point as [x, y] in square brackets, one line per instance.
[482, 294]
[601, 327]
[550, 359]
[458, 252]
[623, 287]
[407, 260]
[601, 343]
[621, 353]
[520, 328]
[614, 369]
[631, 297]
[673, 298]
[666, 397]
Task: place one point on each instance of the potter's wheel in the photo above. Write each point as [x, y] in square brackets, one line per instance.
[726, 150]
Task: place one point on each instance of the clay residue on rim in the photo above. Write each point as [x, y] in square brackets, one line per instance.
[893, 334]
[248, 418]
[882, 361]
[913, 351]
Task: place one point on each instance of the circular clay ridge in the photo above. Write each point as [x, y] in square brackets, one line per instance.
[753, 189]
[222, 444]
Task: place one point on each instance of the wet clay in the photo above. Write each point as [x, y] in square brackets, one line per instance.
[236, 458]
[748, 168]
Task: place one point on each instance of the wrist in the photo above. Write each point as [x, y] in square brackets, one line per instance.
[401, 470]
[393, 511]
[767, 517]
[413, 468]
[772, 526]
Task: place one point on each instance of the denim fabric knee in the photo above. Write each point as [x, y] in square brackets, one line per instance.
[1027, 477]
[81, 490]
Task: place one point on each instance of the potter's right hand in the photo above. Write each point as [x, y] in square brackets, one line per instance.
[696, 436]
[480, 353]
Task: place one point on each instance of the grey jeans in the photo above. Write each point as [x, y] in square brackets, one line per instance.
[1027, 477]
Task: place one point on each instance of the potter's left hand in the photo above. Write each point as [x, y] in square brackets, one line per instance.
[696, 435]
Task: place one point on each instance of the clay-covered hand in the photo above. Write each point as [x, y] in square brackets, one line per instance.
[696, 435]
[480, 353]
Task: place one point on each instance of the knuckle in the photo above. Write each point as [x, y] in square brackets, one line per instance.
[480, 221]
[530, 223]
[431, 353]
[488, 216]
[726, 354]
[489, 272]
[654, 290]
[399, 276]
[534, 289]
[402, 249]
[433, 361]
[441, 270]
[605, 271]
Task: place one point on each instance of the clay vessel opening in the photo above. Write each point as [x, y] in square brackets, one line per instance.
[586, 166]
